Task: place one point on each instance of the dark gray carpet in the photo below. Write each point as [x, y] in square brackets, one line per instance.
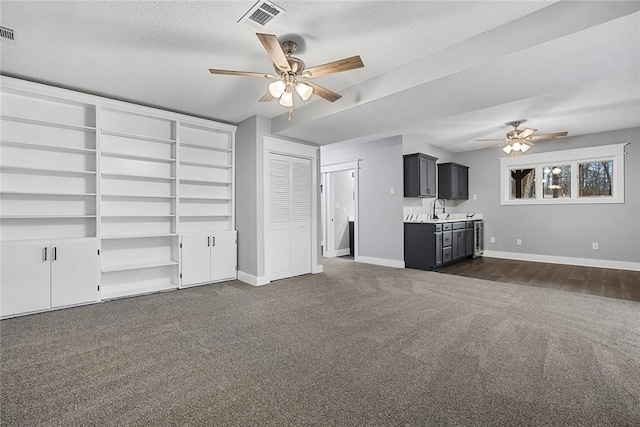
[356, 345]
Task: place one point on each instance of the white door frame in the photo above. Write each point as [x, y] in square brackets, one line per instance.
[326, 170]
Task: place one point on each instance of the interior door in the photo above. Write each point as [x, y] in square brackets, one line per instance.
[74, 267]
[196, 258]
[223, 256]
[278, 244]
[25, 279]
[300, 216]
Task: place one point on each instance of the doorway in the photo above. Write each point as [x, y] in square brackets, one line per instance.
[339, 210]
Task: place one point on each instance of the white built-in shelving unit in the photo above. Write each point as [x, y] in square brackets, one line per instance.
[138, 197]
[125, 180]
[205, 204]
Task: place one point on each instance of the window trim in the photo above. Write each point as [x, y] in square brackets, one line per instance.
[573, 157]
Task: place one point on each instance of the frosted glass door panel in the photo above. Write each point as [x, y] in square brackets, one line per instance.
[139, 147]
[223, 256]
[74, 272]
[136, 124]
[196, 258]
[25, 277]
[47, 135]
[47, 109]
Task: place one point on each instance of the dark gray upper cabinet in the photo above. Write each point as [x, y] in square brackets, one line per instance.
[453, 181]
[419, 175]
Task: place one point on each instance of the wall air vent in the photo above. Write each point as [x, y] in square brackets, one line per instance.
[260, 14]
[7, 35]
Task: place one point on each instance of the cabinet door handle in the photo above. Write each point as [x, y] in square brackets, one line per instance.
[208, 241]
[45, 254]
[55, 253]
[214, 240]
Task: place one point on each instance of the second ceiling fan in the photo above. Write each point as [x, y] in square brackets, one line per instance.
[292, 75]
[521, 140]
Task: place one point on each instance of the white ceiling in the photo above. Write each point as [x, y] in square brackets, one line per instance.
[450, 72]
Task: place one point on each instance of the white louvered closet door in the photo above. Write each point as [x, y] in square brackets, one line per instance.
[288, 243]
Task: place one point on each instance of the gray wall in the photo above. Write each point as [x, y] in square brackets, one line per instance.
[246, 195]
[381, 230]
[559, 230]
[342, 190]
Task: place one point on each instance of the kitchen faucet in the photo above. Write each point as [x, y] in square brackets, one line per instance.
[435, 215]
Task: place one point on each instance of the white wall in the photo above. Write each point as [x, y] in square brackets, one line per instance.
[381, 230]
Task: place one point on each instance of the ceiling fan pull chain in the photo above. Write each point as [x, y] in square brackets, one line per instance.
[290, 113]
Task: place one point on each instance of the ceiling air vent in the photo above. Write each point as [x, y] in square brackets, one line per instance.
[260, 14]
[7, 35]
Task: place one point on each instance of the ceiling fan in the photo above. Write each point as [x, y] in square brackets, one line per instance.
[521, 140]
[292, 74]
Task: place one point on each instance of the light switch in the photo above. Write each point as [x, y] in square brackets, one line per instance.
[475, 197]
[393, 190]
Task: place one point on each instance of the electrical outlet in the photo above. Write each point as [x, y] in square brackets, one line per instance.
[475, 197]
[519, 242]
[492, 239]
[594, 246]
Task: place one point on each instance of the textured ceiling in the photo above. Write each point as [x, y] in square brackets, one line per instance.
[446, 71]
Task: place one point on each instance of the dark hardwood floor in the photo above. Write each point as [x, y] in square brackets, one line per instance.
[622, 284]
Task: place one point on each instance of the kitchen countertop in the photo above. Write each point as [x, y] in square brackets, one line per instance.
[453, 217]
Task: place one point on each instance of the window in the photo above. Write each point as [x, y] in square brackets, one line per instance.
[557, 181]
[595, 178]
[584, 175]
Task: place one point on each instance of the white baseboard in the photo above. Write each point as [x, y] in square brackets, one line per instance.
[380, 261]
[343, 252]
[315, 269]
[252, 280]
[585, 262]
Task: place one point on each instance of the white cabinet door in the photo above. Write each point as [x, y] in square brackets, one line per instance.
[74, 272]
[25, 280]
[196, 258]
[223, 255]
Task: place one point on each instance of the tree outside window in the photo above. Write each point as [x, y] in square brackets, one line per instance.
[557, 181]
[595, 178]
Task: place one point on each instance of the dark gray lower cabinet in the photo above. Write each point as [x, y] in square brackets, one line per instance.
[428, 246]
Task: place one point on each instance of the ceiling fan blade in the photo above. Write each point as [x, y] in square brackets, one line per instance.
[525, 133]
[548, 135]
[273, 48]
[267, 97]
[492, 139]
[241, 73]
[324, 92]
[335, 66]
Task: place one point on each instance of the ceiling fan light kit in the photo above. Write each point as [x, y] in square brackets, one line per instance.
[519, 141]
[292, 74]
